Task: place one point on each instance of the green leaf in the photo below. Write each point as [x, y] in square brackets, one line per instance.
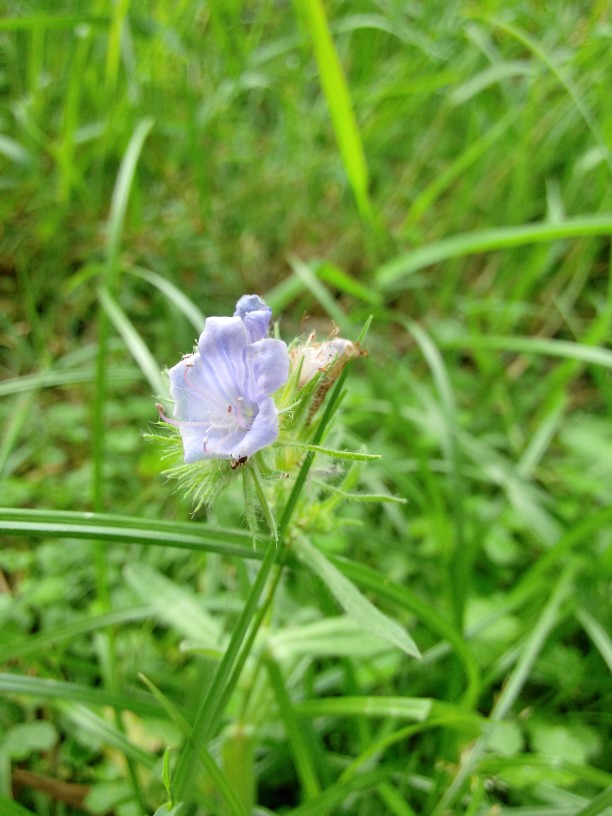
[350, 456]
[340, 636]
[403, 708]
[27, 738]
[352, 601]
[9, 807]
[176, 605]
[90, 726]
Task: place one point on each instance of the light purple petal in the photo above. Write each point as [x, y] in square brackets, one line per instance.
[221, 346]
[264, 431]
[269, 361]
[255, 314]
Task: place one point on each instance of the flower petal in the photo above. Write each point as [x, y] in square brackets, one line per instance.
[222, 345]
[255, 314]
[264, 431]
[269, 361]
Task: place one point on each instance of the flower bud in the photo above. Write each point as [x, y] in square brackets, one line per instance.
[327, 358]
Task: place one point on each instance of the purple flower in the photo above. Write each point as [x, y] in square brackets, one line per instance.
[223, 406]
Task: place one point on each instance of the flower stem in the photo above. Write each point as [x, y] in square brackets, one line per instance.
[224, 680]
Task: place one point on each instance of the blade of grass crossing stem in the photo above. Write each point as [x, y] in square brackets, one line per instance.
[381, 743]
[512, 688]
[391, 274]
[338, 99]
[119, 529]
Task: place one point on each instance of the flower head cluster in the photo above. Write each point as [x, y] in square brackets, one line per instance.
[222, 393]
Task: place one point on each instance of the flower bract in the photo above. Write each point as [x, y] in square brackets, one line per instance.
[222, 393]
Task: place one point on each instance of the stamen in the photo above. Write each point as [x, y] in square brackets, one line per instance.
[179, 423]
[243, 422]
[164, 418]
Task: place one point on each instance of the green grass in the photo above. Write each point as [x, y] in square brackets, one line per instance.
[444, 169]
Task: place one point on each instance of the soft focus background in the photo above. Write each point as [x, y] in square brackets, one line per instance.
[441, 166]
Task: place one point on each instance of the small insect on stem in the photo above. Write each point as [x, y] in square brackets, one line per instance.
[236, 463]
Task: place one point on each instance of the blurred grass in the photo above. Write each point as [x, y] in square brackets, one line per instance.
[443, 168]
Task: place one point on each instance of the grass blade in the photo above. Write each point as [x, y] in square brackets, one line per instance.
[126, 530]
[391, 275]
[173, 293]
[48, 689]
[134, 342]
[338, 99]
[535, 345]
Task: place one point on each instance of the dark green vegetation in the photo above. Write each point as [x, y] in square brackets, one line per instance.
[157, 160]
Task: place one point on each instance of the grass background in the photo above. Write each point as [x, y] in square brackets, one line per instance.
[441, 166]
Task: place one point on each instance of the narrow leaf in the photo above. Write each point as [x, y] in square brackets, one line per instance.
[125, 530]
[353, 602]
[403, 708]
[337, 454]
[174, 294]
